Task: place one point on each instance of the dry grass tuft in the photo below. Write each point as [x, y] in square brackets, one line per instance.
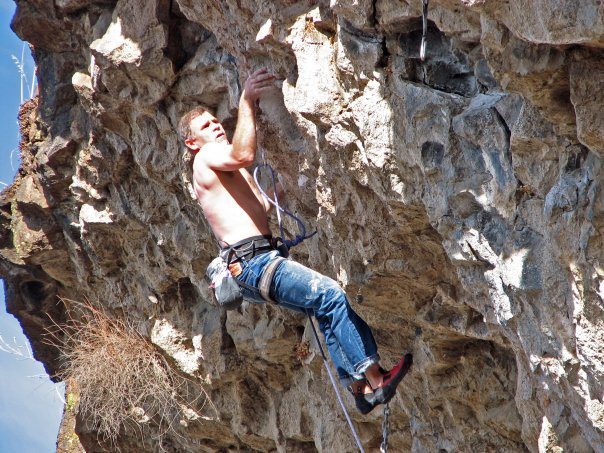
[123, 381]
[302, 350]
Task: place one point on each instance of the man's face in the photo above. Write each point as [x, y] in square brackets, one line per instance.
[205, 128]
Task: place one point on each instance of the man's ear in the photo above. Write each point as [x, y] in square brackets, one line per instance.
[192, 145]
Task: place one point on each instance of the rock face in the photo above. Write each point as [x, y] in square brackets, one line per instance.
[456, 200]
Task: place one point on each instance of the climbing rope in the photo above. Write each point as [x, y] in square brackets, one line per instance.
[290, 243]
[335, 387]
[299, 238]
[385, 429]
[422, 49]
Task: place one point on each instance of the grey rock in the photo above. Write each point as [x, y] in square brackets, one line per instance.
[457, 200]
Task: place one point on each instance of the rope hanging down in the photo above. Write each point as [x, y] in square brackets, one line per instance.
[299, 238]
[335, 386]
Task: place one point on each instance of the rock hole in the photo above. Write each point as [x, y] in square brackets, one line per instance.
[33, 291]
[432, 155]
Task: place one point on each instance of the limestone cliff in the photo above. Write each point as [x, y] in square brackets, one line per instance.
[457, 200]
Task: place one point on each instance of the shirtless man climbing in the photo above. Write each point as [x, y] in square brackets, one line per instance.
[238, 216]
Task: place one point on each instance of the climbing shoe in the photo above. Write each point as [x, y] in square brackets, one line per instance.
[360, 399]
[391, 379]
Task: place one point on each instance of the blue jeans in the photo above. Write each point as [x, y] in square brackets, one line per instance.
[348, 338]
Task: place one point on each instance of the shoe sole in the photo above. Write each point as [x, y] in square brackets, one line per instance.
[363, 406]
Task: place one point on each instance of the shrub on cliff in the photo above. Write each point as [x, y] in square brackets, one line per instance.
[123, 380]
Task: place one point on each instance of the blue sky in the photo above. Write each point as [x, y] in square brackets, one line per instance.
[30, 408]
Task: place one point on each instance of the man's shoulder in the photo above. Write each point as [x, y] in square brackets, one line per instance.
[203, 173]
[214, 147]
[209, 152]
[201, 170]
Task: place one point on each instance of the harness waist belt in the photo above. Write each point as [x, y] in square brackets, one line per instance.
[247, 248]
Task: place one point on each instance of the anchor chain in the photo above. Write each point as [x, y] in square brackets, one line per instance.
[385, 429]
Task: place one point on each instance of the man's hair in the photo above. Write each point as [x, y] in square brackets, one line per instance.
[184, 125]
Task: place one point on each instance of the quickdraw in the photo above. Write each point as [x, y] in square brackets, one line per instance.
[422, 49]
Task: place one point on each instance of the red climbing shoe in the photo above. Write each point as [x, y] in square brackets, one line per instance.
[391, 379]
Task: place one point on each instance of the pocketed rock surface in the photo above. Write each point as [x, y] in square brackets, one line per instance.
[457, 200]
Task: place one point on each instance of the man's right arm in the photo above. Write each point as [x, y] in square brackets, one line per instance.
[242, 152]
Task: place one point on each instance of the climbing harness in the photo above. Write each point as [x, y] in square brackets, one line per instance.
[385, 429]
[422, 49]
[267, 277]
